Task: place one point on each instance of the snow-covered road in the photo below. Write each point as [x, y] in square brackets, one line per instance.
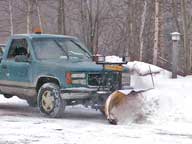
[21, 124]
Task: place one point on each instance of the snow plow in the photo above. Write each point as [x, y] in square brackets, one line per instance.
[122, 104]
[117, 102]
[128, 94]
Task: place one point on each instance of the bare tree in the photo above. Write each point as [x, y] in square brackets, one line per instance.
[156, 33]
[11, 16]
[39, 15]
[143, 17]
[61, 17]
[185, 37]
[90, 22]
[29, 11]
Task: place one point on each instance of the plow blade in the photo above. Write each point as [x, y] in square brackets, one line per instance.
[119, 103]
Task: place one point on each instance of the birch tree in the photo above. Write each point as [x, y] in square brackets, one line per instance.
[29, 10]
[143, 17]
[7, 21]
[156, 33]
[11, 16]
[185, 37]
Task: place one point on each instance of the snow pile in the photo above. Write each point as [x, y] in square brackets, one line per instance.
[142, 74]
[169, 100]
[142, 68]
[173, 100]
[166, 99]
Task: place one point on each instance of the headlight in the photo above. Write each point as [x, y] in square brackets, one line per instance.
[78, 78]
[77, 75]
[79, 81]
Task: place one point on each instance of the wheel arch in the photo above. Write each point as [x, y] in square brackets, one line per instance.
[45, 79]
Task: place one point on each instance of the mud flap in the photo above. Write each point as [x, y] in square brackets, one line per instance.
[116, 104]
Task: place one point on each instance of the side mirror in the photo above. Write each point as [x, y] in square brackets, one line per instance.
[22, 58]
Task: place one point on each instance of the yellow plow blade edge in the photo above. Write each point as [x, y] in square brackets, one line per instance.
[118, 103]
[114, 68]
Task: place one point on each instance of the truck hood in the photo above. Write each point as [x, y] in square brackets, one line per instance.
[82, 66]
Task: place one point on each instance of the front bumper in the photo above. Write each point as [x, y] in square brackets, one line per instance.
[81, 93]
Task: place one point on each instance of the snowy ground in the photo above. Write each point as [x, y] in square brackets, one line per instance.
[167, 119]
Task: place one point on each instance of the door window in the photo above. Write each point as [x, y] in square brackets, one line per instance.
[18, 47]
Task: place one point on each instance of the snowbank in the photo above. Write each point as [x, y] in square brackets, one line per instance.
[142, 68]
[168, 99]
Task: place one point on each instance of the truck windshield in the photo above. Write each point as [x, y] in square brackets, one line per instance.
[62, 48]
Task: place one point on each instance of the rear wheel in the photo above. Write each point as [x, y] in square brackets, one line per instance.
[49, 100]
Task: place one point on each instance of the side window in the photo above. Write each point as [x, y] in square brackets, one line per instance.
[18, 47]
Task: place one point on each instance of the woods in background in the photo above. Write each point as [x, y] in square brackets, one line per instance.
[139, 29]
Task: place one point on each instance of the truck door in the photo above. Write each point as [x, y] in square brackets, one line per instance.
[17, 73]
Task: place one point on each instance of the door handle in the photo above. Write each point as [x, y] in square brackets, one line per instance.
[4, 66]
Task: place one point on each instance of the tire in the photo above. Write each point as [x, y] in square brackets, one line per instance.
[49, 100]
[8, 96]
[32, 102]
[102, 102]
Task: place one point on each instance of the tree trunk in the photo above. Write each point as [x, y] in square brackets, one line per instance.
[83, 22]
[130, 18]
[11, 16]
[156, 34]
[91, 32]
[29, 5]
[143, 17]
[96, 28]
[61, 17]
[185, 38]
[39, 16]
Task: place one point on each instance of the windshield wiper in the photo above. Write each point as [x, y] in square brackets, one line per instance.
[88, 55]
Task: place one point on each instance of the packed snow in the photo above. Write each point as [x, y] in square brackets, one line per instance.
[161, 115]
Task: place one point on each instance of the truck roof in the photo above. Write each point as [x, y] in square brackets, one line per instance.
[43, 36]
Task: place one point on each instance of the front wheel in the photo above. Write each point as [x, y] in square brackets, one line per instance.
[49, 100]
[102, 110]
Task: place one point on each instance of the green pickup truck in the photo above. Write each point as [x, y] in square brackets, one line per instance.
[53, 71]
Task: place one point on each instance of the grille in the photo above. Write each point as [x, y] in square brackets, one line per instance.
[106, 79]
[94, 79]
